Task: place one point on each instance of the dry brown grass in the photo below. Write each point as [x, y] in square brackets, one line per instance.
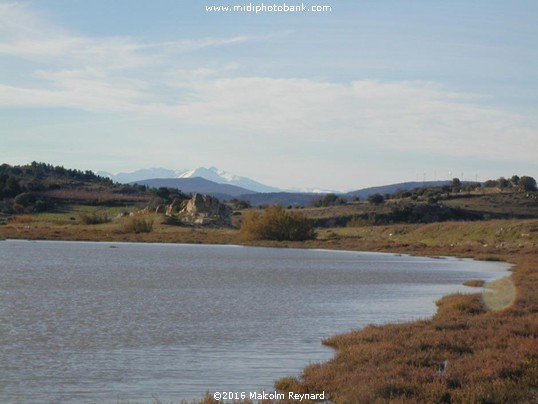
[138, 225]
[95, 218]
[474, 283]
[276, 223]
[21, 219]
[62, 227]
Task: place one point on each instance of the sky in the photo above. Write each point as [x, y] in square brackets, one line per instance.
[369, 93]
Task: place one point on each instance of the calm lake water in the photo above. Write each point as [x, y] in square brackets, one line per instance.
[103, 322]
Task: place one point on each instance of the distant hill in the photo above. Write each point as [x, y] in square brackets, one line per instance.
[196, 186]
[390, 189]
[39, 177]
[226, 192]
[38, 187]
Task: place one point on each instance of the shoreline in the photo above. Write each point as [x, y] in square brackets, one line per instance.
[445, 388]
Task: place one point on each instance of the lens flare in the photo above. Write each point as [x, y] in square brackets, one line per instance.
[499, 294]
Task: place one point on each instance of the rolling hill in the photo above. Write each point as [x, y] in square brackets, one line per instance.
[196, 185]
[390, 189]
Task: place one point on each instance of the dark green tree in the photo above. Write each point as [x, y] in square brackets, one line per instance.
[163, 193]
[503, 183]
[456, 185]
[376, 199]
[527, 183]
[12, 188]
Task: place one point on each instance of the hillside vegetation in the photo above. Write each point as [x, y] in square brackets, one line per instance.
[39, 187]
[472, 202]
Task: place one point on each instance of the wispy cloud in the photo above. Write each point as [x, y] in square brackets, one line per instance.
[25, 34]
[94, 74]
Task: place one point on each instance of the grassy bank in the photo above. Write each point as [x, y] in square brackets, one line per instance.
[467, 353]
[71, 226]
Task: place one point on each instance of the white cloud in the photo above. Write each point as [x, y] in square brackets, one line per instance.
[405, 116]
[128, 75]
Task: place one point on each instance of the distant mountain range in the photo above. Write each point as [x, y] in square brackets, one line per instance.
[227, 191]
[212, 174]
[225, 185]
[224, 177]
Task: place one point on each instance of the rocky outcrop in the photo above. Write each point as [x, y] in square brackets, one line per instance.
[201, 209]
[175, 207]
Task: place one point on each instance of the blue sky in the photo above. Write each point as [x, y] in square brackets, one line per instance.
[373, 92]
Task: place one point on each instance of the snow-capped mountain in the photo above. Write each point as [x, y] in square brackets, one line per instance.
[211, 174]
[224, 177]
[314, 191]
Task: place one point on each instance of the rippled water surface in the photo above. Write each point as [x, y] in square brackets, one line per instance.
[104, 322]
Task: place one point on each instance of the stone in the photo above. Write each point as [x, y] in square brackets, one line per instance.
[175, 207]
[200, 210]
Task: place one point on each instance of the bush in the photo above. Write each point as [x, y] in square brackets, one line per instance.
[138, 225]
[95, 218]
[278, 224]
[24, 202]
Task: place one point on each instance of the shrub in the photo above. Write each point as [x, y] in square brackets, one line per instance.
[138, 225]
[24, 202]
[25, 199]
[278, 224]
[95, 218]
